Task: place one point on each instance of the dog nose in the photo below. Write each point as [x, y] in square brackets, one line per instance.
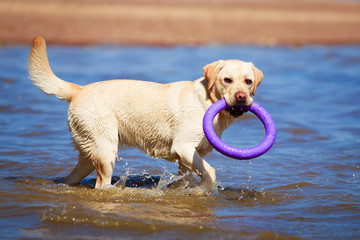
[241, 97]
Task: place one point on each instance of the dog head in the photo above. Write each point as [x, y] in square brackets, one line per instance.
[234, 80]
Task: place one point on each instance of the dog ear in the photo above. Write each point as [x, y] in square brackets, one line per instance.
[258, 78]
[211, 71]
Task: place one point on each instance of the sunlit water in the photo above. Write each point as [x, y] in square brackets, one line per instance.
[306, 186]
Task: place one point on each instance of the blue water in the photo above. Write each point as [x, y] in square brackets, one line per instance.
[306, 186]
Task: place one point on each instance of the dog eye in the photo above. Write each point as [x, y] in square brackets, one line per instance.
[248, 81]
[228, 80]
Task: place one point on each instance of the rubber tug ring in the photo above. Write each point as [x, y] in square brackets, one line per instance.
[234, 152]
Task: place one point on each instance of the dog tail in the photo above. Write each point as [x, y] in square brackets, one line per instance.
[42, 75]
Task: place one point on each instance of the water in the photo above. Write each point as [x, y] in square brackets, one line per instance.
[306, 186]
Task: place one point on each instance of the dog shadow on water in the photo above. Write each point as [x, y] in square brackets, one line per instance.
[133, 181]
[147, 181]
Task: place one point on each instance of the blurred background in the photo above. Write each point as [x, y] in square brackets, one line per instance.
[189, 22]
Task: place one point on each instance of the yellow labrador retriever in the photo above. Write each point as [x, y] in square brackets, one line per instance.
[163, 120]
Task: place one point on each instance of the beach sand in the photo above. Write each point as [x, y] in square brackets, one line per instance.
[174, 22]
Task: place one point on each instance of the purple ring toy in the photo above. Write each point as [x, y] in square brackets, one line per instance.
[239, 153]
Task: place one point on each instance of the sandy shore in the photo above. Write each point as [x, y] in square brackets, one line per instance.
[172, 22]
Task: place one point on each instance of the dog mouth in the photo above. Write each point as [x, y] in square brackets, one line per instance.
[235, 111]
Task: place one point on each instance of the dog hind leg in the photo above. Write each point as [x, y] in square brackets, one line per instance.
[104, 156]
[97, 142]
[82, 170]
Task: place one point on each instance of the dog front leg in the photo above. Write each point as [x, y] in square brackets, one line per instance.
[188, 177]
[191, 159]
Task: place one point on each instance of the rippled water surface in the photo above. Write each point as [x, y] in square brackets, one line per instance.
[306, 186]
